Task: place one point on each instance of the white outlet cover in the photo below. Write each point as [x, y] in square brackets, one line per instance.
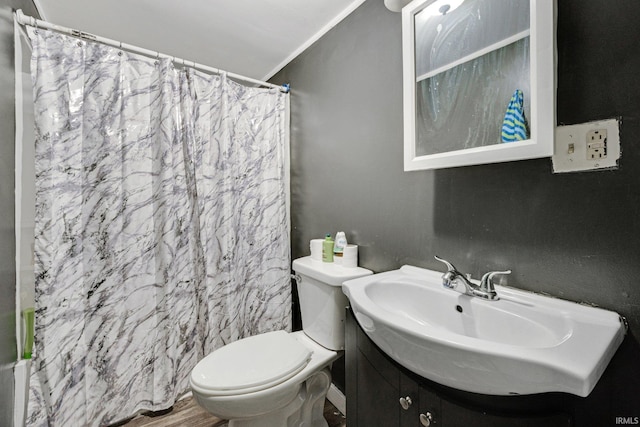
[570, 151]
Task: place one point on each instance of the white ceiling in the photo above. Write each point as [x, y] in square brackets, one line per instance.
[255, 38]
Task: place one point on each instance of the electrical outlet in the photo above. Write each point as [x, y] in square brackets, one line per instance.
[587, 146]
[597, 144]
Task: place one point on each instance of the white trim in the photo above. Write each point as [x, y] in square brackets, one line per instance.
[40, 9]
[287, 166]
[19, 122]
[187, 395]
[337, 398]
[477, 54]
[324, 30]
[21, 374]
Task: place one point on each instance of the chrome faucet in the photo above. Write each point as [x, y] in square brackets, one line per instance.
[486, 290]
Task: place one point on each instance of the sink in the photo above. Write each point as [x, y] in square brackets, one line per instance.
[523, 343]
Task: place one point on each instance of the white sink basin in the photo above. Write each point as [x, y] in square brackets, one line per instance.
[523, 343]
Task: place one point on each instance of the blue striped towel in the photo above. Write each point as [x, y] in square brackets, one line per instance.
[514, 125]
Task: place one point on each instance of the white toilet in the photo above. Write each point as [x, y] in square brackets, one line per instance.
[279, 379]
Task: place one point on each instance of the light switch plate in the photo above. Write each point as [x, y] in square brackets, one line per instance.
[587, 146]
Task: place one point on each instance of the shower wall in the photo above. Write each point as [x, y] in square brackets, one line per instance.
[25, 190]
[7, 206]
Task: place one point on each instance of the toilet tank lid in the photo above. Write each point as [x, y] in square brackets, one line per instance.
[327, 272]
[251, 364]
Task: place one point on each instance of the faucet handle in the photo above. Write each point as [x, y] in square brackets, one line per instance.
[486, 284]
[450, 266]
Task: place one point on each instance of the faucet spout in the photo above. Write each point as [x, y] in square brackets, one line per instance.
[452, 277]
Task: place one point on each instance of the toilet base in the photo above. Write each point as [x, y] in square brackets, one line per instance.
[305, 410]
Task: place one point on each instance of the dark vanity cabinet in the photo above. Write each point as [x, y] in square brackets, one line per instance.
[381, 393]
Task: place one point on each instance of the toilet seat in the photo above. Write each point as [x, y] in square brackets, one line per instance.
[250, 364]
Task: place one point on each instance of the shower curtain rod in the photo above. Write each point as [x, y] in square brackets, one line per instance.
[23, 19]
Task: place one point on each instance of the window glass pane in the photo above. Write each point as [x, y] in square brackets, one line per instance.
[472, 26]
[464, 107]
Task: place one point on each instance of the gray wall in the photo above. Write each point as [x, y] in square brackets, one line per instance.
[575, 236]
[7, 207]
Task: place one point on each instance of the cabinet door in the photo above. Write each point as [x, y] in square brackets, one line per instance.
[410, 393]
[376, 401]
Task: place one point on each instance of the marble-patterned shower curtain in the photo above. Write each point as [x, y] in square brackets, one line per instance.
[161, 226]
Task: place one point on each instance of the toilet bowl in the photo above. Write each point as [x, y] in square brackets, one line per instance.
[282, 396]
[281, 379]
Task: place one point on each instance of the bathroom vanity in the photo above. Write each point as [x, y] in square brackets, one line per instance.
[380, 392]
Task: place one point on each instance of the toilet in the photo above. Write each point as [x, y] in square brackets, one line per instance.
[280, 378]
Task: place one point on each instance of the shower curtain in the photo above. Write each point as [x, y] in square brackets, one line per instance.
[162, 228]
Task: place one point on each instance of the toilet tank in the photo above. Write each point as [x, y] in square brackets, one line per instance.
[322, 303]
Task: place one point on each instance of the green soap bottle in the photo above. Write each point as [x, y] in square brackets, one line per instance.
[327, 249]
[28, 315]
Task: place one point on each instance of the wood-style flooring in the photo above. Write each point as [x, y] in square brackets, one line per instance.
[187, 413]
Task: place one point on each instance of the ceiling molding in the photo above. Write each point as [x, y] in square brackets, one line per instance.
[42, 16]
[324, 30]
